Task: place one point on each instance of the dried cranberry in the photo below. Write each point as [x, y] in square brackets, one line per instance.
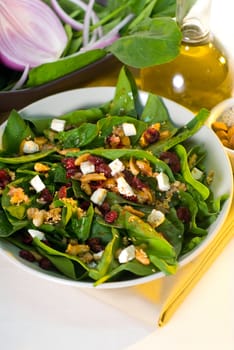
[183, 214]
[71, 168]
[26, 255]
[45, 264]
[95, 244]
[113, 141]
[4, 178]
[84, 205]
[128, 176]
[96, 160]
[45, 241]
[27, 238]
[111, 216]
[62, 192]
[46, 196]
[69, 163]
[103, 168]
[137, 183]
[172, 160]
[95, 184]
[104, 208]
[151, 135]
[132, 198]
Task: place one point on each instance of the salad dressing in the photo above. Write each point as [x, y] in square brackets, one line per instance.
[200, 76]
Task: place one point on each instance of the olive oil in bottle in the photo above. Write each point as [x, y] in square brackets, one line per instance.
[200, 76]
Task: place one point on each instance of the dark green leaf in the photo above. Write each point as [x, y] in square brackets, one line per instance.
[50, 71]
[155, 41]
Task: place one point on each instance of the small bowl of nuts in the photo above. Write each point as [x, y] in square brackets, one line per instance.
[222, 122]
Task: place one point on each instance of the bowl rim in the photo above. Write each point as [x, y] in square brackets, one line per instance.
[138, 280]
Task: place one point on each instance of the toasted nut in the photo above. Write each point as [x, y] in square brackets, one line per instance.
[77, 249]
[17, 195]
[68, 150]
[231, 142]
[41, 140]
[85, 186]
[134, 211]
[87, 257]
[222, 134]
[81, 158]
[144, 167]
[41, 168]
[230, 132]
[125, 141]
[93, 177]
[109, 183]
[225, 142]
[145, 196]
[219, 126]
[164, 134]
[141, 256]
[133, 167]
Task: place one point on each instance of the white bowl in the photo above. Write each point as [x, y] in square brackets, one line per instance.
[224, 112]
[217, 160]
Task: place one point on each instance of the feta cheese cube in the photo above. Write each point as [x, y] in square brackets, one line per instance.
[57, 124]
[37, 183]
[124, 188]
[129, 129]
[163, 182]
[30, 147]
[155, 218]
[116, 166]
[98, 256]
[87, 167]
[196, 173]
[35, 233]
[127, 254]
[99, 196]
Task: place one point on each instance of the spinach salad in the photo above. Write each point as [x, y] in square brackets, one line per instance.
[108, 193]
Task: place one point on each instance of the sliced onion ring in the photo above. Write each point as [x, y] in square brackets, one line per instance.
[30, 34]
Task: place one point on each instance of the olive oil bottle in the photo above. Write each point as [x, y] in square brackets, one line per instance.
[200, 76]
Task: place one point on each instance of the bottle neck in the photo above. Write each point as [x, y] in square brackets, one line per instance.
[193, 19]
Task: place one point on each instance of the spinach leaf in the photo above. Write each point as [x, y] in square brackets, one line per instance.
[181, 134]
[6, 229]
[155, 111]
[108, 258]
[105, 128]
[50, 71]
[82, 226]
[173, 230]
[63, 262]
[159, 37]
[126, 99]
[78, 137]
[15, 132]
[164, 256]
[73, 118]
[26, 158]
[165, 8]
[199, 186]
[134, 267]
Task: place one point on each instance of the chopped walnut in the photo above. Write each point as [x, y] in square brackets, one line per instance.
[141, 256]
[53, 216]
[41, 168]
[17, 195]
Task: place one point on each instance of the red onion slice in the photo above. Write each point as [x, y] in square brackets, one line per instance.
[30, 34]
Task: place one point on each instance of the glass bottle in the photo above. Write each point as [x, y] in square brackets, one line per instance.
[200, 76]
